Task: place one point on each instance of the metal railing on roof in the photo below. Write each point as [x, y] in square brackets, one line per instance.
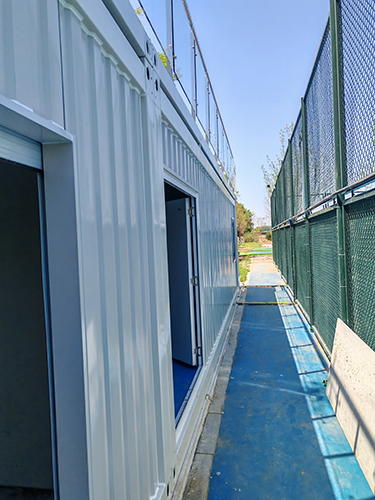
[171, 30]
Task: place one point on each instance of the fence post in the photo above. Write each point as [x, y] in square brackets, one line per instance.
[307, 204]
[293, 254]
[340, 160]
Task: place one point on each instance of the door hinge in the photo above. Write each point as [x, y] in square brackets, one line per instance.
[194, 281]
[197, 351]
[191, 211]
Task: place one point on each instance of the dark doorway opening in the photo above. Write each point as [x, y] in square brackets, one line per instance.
[183, 293]
[26, 470]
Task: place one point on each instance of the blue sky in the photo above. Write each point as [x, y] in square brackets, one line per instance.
[259, 54]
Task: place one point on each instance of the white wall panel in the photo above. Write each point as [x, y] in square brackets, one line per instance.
[120, 148]
[215, 211]
[30, 56]
[104, 112]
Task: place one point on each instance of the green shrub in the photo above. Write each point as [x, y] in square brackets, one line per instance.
[242, 271]
[252, 237]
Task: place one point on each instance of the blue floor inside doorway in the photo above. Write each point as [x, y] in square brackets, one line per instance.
[279, 437]
[183, 376]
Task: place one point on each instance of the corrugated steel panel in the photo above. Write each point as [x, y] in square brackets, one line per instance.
[31, 64]
[105, 114]
[121, 231]
[215, 211]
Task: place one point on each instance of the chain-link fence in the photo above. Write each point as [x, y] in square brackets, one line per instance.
[323, 203]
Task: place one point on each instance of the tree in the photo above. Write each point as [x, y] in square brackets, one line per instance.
[244, 220]
[271, 170]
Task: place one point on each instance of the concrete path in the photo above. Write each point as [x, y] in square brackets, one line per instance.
[273, 434]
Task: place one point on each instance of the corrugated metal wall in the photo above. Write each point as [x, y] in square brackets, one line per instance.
[214, 210]
[59, 63]
[104, 112]
[30, 61]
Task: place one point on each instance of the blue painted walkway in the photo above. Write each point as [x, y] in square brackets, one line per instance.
[279, 438]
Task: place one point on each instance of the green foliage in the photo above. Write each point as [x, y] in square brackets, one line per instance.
[244, 220]
[271, 170]
[268, 236]
[247, 247]
[252, 237]
[242, 270]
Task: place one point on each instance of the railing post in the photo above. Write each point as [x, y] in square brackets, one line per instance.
[340, 160]
[307, 204]
[207, 108]
[194, 86]
[169, 48]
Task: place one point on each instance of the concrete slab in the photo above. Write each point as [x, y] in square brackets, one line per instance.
[264, 272]
[207, 442]
[351, 391]
[218, 400]
[199, 478]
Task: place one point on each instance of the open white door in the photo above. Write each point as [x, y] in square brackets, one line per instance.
[181, 281]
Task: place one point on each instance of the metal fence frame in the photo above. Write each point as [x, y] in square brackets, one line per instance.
[322, 205]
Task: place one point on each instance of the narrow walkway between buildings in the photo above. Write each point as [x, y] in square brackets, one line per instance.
[272, 433]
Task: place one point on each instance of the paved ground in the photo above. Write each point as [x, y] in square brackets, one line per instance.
[271, 432]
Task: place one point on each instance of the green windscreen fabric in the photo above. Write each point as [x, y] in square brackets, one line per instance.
[302, 290]
[325, 275]
[289, 260]
[275, 246]
[360, 245]
[283, 260]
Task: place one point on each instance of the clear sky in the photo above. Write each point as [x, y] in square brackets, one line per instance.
[259, 55]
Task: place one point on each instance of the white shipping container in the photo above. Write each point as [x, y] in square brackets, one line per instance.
[134, 251]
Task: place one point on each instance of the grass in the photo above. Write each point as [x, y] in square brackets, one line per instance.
[244, 268]
[244, 257]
